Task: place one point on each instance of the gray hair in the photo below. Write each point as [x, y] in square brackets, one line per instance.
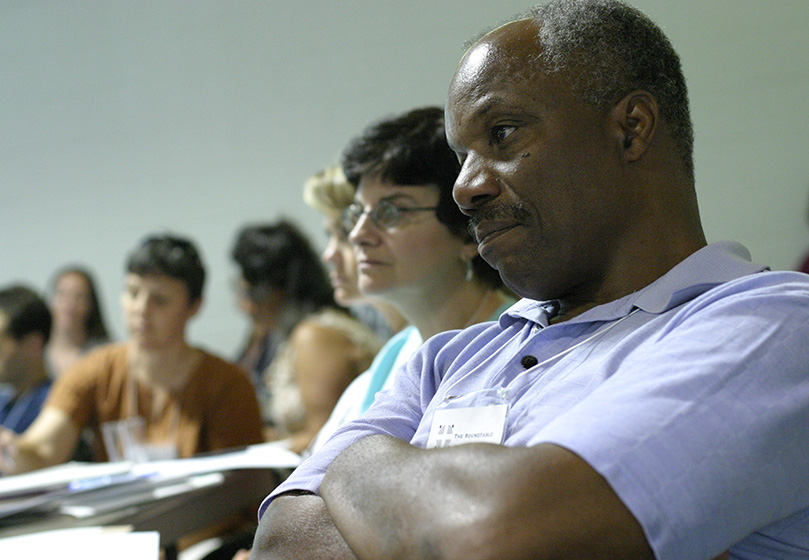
[607, 49]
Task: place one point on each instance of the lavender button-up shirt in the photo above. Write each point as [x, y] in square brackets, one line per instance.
[690, 396]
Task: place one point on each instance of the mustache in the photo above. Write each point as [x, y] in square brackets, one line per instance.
[497, 212]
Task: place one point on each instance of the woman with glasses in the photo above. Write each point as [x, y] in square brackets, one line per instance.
[330, 193]
[411, 245]
[153, 396]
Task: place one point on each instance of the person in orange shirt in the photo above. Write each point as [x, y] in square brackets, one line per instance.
[168, 397]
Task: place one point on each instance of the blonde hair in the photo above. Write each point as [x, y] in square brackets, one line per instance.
[328, 191]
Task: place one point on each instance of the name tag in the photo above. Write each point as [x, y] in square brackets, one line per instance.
[455, 426]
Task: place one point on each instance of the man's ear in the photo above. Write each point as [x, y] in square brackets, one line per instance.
[635, 117]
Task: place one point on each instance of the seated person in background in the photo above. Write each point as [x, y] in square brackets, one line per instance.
[25, 325]
[325, 348]
[412, 244]
[78, 324]
[280, 283]
[330, 193]
[175, 400]
[258, 253]
[648, 397]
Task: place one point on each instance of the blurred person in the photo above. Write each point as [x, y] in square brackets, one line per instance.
[169, 398]
[320, 347]
[78, 322]
[278, 284]
[330, 193]
[25, 325]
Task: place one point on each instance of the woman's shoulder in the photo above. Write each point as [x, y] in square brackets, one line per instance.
[102, 358]
[333, 324]
[212, 362]
[104, 366]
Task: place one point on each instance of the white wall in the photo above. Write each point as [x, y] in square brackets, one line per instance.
[120, 118]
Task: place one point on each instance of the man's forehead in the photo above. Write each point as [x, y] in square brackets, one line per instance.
[512, 44]
[507, 55]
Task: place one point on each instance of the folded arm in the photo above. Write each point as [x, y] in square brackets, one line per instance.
[298, 526]
[389, 499]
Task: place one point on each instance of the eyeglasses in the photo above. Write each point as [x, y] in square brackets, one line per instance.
[384, 215]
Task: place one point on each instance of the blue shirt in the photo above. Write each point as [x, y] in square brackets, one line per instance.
[17, 412]
[690, 397]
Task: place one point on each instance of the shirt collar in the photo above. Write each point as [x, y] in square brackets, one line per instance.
[711, 266]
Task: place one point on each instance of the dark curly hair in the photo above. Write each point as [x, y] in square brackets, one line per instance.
[412, 149]
[279, 256]
[173, 256]
[26, 312]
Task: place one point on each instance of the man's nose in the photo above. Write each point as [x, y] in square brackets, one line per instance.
[476, 184]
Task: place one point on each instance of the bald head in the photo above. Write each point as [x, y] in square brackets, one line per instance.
[512, 47]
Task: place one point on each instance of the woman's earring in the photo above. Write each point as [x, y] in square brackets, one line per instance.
[470, 270]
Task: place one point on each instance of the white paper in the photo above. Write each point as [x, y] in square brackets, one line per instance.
[272, 455]
[59, 476]
[85, 543]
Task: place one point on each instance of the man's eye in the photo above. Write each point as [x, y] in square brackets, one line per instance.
[498, 134]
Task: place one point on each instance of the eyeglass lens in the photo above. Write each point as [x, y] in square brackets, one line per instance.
[385, 214]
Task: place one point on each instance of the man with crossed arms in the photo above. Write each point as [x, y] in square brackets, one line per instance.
[648, 396]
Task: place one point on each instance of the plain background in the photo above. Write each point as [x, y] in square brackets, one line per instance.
[120, 119]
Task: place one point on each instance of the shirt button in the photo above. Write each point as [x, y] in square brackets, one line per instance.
[528, 361]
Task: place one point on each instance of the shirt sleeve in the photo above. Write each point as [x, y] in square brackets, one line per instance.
[74, 391]
[396, 412]
[235, 419]
[696, 431]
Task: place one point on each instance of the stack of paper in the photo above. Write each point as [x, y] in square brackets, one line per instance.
[86, 489]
